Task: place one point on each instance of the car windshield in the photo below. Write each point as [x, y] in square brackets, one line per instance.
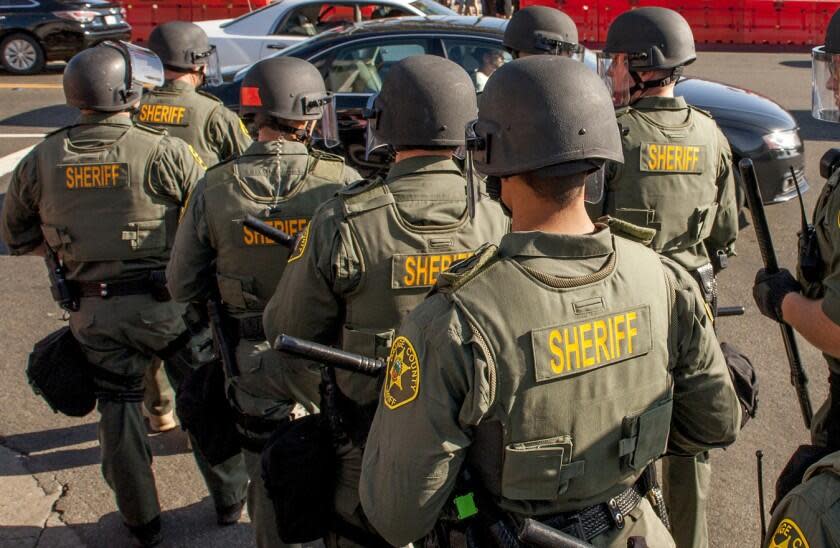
[251, 13]
[429, 7]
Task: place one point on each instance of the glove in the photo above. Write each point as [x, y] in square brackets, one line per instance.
[770, 289]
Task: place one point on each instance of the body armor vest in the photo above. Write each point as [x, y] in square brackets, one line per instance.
[248, 264]
[95, 201]
[669, 177]
[400, 264]
[579, 378]
[183, 114]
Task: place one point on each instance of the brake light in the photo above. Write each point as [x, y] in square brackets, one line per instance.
[82, 16]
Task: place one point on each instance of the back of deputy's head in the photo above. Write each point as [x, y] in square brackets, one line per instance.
[180, 45]
[283, 87]
[653, 38]
[425, 101]
[539, 30]
[99, 79]
[546, 114]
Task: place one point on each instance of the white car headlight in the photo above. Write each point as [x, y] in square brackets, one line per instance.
[783, 140]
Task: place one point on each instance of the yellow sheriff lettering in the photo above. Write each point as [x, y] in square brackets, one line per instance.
[83, 176]
[669, 157]
[163, 114]
[289, 226]
[593, 343]
[423, 270]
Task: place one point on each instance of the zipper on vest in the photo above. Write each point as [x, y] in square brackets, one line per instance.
[491, 363]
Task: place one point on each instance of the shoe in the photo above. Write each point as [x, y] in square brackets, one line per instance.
[148, 534]
[160, 423]
[230, 515]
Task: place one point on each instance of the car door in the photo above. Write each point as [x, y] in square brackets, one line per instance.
[239, 42]
[480, 58]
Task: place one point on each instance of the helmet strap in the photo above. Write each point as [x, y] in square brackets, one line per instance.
[640, 85]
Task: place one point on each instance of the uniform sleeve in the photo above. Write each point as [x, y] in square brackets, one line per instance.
[418, 441]
[706, 413]
[20, 226]
[350, 175]
[308, 300]
[808, 516]
[829, 230]
[725, 229]
[227, 133]
[175, 170]
[190, 272]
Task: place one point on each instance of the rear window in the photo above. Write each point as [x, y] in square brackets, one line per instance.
[246, 15]
[429, 7]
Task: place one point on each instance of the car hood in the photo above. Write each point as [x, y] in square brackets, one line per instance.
[735, 106]
[95, 4]
[212, 27]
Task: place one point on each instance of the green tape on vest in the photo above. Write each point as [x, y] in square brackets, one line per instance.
[465, 505]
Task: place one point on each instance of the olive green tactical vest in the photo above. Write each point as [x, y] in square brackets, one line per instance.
[248, 264]
[95, 204]
[580, 369]
[669, 177]
[183, 114]
[400, 263]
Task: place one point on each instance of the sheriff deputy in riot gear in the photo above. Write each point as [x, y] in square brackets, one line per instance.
[370, 254]
[677, 179]
[280, 180]
[557, 363]
[179, 107]
[808, 515]
[129, 182]
[540, 30]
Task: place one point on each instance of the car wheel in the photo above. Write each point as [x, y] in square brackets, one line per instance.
[22, 54]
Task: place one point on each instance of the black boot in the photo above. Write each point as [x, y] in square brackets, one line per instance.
[148, 534]
[228, 515]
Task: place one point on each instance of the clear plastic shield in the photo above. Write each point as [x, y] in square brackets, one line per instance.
[614, 70]
[825, 85]
[213, 70]
[593, 190]
[372, 142]
[473, 145]
[553, 44]
[327, 129]
[146, 67]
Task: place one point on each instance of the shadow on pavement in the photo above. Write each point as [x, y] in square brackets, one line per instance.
[49, 116]
[805, 63]
[49, 450]
[812, 129]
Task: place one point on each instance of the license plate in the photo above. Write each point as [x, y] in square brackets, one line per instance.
[111, 19]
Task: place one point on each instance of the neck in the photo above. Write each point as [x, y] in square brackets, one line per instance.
[123, 113]
[663, 91]
[191, 78]
[417, 153]
[544, 217]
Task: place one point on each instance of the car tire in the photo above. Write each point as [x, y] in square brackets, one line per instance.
[22, 54]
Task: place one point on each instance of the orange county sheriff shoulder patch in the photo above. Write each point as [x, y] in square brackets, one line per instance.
[301, 245]
[788, 535]
[402, 378]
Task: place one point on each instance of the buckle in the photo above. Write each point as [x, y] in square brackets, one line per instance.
[103, 290]
[615, 513]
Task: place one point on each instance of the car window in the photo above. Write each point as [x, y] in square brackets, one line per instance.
[257, 13]
[479, 59]
[360, 68]
[17, 3]
[430, 7]
[312, 19]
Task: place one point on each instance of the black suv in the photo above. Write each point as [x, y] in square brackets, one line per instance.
[33, 32]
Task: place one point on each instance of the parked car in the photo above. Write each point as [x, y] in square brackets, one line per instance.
[261, 33]
[33, 32]
[355, 59]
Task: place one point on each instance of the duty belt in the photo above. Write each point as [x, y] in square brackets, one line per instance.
[250, 328]
[597, 519]
[154, 284]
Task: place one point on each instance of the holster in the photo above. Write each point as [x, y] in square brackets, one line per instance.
[705, 278]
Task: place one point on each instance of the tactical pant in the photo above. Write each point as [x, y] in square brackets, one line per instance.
[348, 505]
[122, 335]
[685, 486]
[159, 398]
[641, 522]
[260, 507]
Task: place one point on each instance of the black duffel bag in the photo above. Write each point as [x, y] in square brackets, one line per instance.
[298, 469]
[59, 372]
[744, 379]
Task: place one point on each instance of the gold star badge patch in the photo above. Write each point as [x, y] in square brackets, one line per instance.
[301, 245]
[788, 535]
[402, 379]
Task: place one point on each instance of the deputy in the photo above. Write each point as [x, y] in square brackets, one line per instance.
[811, 305]
[677, 179]
[370, 254]
[105, 194]
[280, 180]
[541, 30]
[559, 364]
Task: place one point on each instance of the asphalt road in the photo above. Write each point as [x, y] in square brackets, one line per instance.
[62, 453]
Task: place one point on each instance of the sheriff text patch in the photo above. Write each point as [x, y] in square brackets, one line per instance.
[166, 115]
[289, 226]
[422, 270]
[94, 176]
[672, 158]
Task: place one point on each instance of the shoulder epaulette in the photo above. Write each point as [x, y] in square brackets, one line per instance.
[223, 162]
[326, 165]
[150, 129]
[621, 111]
[209, 96]
[701, 111]
[463, 271]
[629, 231]
[360, 186]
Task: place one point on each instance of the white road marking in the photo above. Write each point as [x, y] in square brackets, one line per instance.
[22, 135]
[9, 162]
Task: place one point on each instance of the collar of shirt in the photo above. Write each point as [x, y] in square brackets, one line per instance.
[178, 86]
[112, 118]
[422, 164]
[660, 103]
[559, 246]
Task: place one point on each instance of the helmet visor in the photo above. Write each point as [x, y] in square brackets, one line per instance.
[614, 70]
[554, 45]
[825, 85]
[146, 67]
[371, 114]
[213, 68]
[326, 131]
[473, 146]
[593, 190]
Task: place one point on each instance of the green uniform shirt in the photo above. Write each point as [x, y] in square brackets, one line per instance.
[809, 516]
[676, 178]
[215, 132]
[170, 177]
[442, 384]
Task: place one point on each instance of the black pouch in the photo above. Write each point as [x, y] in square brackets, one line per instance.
[744, 379]
[204, 412]
[159, 290]
[59, 372]
[298, 469]
[794, 471]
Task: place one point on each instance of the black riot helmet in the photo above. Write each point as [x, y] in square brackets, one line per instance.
[289, 88]
[425, 101]
[111, 76]
[560, 122]
[183, 46]
[539, 30]
[825, 74]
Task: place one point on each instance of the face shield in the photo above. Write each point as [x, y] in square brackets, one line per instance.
[825, 85]
[212, 66]
[593, 190]
[475, 147]
[326, 130]
[372, 114]
[145, 68]
[614, 70]
[554, 45]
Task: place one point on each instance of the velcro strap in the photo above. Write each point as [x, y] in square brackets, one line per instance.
[250, 328]
[599, 518]
[371, 198]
